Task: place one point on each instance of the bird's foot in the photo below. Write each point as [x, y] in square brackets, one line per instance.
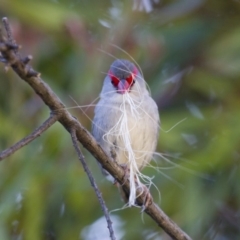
[126, 174]
[148, 200]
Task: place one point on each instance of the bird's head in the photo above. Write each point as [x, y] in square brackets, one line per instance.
[124, 77]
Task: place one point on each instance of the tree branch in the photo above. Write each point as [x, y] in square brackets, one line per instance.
[48, 123]
[8, 30]
[69, 122]
[93, 183]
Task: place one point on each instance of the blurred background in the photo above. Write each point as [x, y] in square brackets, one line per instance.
[189, 52]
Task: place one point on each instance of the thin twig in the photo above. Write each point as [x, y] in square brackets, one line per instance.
[9, 33]
[68, 121]
[48, 123]
[93, 183]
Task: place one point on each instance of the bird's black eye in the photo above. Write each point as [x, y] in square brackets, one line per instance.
[131, 79]
[114, 79]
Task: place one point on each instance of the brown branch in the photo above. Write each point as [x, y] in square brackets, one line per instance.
[10, 38]
[93, 183]
[8, 30]
[83, 136]
[48, 123]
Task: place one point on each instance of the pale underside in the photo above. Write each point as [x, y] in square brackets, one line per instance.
[121, 128]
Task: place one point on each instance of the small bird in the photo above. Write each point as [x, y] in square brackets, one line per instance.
[126, 122]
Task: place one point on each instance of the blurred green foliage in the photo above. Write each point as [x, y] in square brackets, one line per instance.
[189, 53]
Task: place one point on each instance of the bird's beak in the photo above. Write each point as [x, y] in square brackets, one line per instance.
[123, 86]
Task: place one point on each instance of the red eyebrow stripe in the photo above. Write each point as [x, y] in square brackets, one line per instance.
[114, 79]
